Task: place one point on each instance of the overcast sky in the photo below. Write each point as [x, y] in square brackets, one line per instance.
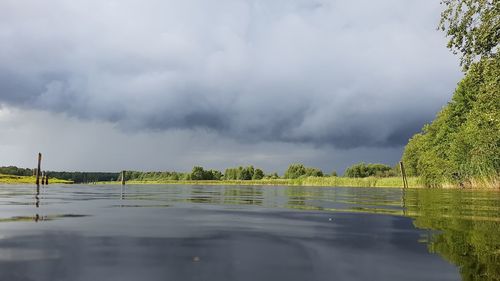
[166, 85]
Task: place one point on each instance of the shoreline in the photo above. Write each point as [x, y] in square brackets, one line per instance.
[373, 182]
[370, 182]
[391, 182]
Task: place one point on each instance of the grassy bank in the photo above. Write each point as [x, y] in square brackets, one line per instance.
[309, 181]
[11, 179]
[413, 182]
[395, 182]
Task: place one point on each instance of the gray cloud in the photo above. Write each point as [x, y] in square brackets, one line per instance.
[73, 144]
[334, 73]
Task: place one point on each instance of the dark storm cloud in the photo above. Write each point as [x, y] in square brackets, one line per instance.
[335, 73]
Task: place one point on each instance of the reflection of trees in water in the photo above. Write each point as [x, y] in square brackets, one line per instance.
[469, 228]
[297, 197]
[248, 195]
[303, 198]
[231, 195]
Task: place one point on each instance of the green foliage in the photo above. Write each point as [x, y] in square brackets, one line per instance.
[476, 147]
[156, 176]
[13, 170]
[216, 175]
[294, 171]
[77, 177]
[198, 173]
[14, 179]
[363, 170]
[243, 173]
[412, 153]
[473, 28]
[462, 145]
[433, 169]
[272, 176]
[299, 170]
[258, 174]
[313, 172]
[463, 142]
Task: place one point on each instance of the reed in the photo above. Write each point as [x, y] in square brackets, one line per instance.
[307, 181]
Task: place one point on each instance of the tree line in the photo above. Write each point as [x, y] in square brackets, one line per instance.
[77, 177]
[293, 171]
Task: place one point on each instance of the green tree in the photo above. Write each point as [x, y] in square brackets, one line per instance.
[258, 174]
[473, 28]
[243, 173]
[216, 175]
[299, 170]
[198, 173]
[247, 173]
[294, 171]
[462, 144]
[313, 172]
[363, 170]
[272, 176]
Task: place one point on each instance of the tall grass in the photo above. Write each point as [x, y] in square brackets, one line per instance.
[397, 182]
[307, 181]
[485, 182]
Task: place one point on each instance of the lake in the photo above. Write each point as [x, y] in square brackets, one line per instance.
[181, 232]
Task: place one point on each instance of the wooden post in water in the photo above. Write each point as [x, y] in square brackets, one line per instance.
[123, 177]
[403, 174]
[38, 169]
[43, 177]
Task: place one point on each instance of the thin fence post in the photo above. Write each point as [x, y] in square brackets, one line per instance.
[123, 177]
[38, 169]
[403, 174]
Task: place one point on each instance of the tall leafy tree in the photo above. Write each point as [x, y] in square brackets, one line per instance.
[462, 144]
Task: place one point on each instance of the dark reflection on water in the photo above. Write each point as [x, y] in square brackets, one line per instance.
[247, 233]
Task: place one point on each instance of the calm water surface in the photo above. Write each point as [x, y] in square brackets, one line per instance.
[155, 232]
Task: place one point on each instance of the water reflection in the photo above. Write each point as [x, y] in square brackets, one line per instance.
[462, 227]
[37, 202]
[468, 225]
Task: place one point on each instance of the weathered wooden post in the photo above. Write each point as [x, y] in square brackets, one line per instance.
[406, 178]
[38, 169]
[46, 179]
[403, 174]
[123, 177]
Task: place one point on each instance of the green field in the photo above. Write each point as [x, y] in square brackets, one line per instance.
[11, 179]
